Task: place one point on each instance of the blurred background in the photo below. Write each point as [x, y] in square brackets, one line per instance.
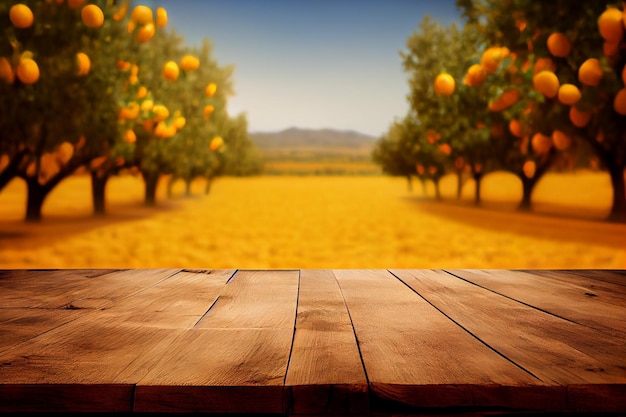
[312, 134]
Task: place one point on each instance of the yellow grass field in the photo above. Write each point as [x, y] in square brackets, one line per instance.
[317, 222]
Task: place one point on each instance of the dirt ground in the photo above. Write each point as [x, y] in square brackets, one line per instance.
[318, 222]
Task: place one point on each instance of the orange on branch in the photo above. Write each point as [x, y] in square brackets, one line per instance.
[559, 45]
[216, 143]
[208, 109]
[130, 136]
[170, 70]
[6, 71]
[569, 94]
[27, 71]
[179, 122]
[590, 72]
[189, 63]
[92, 16]
[579, 118]
[561, 140]
[529, 169]
[210, 90]
[141, 15]
[161, 112]
[610, 48]
[610, 25]
[541, 143]
[147, 105]
[544, 64]
[547, 83]
[145, 33]
[475, 76]
[444, 84]
[84, 63]
[516, 128]
[161, 17]
[141, 93]
[619, 102]
[21, 16]
[506, 100]
[492, 57]
[445, 149]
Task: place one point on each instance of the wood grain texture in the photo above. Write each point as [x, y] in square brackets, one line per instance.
[563, 298]
[325, 373]
[177, 302]
[255, 299]
[244, 341]
[408, 347]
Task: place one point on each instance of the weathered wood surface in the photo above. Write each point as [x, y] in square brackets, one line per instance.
[313, 342]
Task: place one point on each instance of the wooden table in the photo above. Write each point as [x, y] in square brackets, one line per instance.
[298, 342]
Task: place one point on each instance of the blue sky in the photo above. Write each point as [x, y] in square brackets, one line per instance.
[311, 63]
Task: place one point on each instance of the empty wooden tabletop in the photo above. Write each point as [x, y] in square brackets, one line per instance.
[313, 342]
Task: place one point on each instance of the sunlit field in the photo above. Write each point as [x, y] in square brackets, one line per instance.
[316, 222]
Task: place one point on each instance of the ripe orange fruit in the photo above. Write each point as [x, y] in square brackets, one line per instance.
[141, 92]
[569, 94]
[579, 118]
[73, 4]
[561, 140]
[170, 70]
[141, 15]
[6, 71]
[544, 64]
[516, 128]
[145, 33]
[590, 72]
[92, 16]
[610, 25]
[84, 63]
[529, 169]
[444, 84]
[189, 63]
[547, 83]
[208, 109]
[179, 122]
[506, 100]
[147, 105]
[559, 45]
[27, 71]
[210, 90]
[161, 112]
[161, 17]
[541, 143]
[492, 57]
[445, 149]
[21, 16]
[130, 136]
[619, 103]
[216, 143]
[475, 75]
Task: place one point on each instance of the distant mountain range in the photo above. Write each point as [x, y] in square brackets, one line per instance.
[300, 139]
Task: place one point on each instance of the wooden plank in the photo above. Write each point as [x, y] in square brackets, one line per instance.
[613, 276]
[244, 341]
[177, 302]
[325, 374]
[415, 356]
[18, 325]
[558, 297]
[609, 292]
[78, 366]
[557, 351]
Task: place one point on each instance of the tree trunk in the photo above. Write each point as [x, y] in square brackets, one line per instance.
[36, 195]
[188, 187]
[478, 177]
[98, 191]
[437, 192]
[10, 171]
[424, 189]
[528, 184]
[170, 186]
[151, 180]
[209, 182]
[459, 183]
[409, 183]
[618, 207]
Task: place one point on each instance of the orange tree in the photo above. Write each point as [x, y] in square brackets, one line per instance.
[51, 101]
[582, 85]
[396, 150]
